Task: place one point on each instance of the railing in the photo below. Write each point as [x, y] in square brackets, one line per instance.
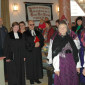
[81, 3]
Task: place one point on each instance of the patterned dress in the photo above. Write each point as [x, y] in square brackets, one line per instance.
[68, 73]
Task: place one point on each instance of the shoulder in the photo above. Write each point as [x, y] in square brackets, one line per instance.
[10, 33]
[52, 29]
[26, 33]
[37, 32]
[54, 34]
[4, 28]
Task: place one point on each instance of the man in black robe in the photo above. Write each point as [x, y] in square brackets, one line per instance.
[34, 41]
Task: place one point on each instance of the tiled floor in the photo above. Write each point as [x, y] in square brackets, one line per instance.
[44, 81]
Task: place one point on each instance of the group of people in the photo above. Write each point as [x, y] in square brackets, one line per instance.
[23, 45]
[22, 50]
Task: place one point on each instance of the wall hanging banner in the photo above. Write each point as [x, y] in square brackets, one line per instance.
[37, 11]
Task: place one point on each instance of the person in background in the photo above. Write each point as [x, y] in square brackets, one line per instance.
[15, 53]
[22, 26]
[42, 25]
[63, 54]
[57, 24]
[34, 41]
[46, 19]
[73, 24]
[48, 32]
[82, 56]
[79, 27]
[3, 32]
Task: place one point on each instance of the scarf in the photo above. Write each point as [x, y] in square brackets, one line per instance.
[78, 28]
[60, 42]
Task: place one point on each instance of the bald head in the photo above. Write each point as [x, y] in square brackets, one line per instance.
[1, 22]
[31, 24]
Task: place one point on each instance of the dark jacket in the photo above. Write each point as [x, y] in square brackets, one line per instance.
[3, 32]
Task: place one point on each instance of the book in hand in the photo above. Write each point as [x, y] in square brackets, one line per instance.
[36, 39]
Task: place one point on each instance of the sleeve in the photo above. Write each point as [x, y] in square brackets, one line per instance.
[78, 63]
[6, 47]
[56, 61]
[24, 49]
[49, 57]
[84, 60]
[52, 32]
[77, 43]
[41, 40]
[29, 42]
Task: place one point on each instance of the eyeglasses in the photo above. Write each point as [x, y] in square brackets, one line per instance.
[31, 24]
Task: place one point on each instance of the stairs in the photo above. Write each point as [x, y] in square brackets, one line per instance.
[81, 3]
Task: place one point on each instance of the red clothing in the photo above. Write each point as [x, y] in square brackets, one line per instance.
[42, 26]
[36, 39]
[49, 34]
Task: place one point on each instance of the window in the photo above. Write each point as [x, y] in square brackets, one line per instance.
[75, 9]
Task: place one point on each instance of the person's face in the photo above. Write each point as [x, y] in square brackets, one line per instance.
[31, 25]
[47, 26]
[79, 22]
[57, 24]
[73, 24]
[1, 22]
[22, 26]
[46, 19]
[62, 29]
[16, 28]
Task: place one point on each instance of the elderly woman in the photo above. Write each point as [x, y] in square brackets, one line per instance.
[63, 54]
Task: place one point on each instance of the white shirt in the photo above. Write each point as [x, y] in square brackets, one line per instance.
[33, 33]
[16, 35]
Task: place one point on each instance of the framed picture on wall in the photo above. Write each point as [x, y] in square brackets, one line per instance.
[37, 11]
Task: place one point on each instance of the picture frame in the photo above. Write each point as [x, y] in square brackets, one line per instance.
[36, 11]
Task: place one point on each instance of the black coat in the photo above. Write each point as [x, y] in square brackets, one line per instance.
[3, 32]
[15, 51]
[34, 68]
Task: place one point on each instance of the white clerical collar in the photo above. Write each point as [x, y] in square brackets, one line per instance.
[16, 35]
[33, 33]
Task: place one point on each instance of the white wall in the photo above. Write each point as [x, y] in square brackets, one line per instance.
[0, 8]
[20, 14]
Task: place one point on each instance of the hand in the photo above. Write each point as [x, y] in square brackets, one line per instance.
[57, 73]
[39, 28]
[78, 70]
[24, 59]
[2, 57]
[76, 38]
[83, 72]
[37, 44]
[8, 60]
